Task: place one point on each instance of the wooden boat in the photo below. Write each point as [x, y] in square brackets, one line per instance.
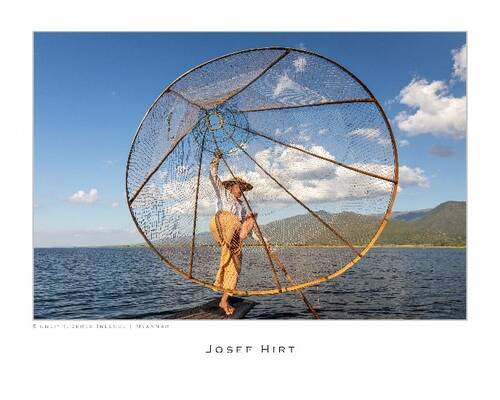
[211, 310]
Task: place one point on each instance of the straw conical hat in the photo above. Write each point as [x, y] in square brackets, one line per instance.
[245, 186]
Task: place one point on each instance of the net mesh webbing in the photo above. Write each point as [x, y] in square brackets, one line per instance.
[308, 136]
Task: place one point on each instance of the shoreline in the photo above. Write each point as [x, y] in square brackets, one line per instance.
[312, 246]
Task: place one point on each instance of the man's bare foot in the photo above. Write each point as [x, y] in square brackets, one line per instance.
[227, 308]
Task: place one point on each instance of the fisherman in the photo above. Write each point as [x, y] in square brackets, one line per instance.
[230, 225]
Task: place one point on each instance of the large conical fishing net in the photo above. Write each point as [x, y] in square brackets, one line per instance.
[307, 134]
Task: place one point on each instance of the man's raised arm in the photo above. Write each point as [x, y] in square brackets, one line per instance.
[214, 177]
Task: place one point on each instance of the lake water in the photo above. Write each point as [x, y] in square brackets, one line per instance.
[115, 283]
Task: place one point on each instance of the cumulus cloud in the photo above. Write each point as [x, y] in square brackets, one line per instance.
[434, 110]
[404, 142]
[460, 63]
[176, 198]
[311, 179]
[292, 164]
[412, 177]
[82, 197]
[441, 151]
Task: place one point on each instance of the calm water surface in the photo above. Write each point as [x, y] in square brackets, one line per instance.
[115, 283]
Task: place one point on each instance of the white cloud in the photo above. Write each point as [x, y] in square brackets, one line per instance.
[436, 112]
[460, 63]
[294, 164]
[292, 92]
[371, 134]
[114, 204]
[412, 177]
[175, 199]
[312, 180]
[390, 102]
[304, 135]
[284, 83]
[84, 198]
[404, 142]
[279, 132]
[300, 64]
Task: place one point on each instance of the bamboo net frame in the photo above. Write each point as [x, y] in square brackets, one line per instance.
[251, 105]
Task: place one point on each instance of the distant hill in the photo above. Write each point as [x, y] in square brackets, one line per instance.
[444, 225]
[410, 215]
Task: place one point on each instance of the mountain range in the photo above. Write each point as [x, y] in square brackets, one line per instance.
[444, 225]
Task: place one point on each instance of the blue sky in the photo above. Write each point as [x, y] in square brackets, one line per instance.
[91, 90]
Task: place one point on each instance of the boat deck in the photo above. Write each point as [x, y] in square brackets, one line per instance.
[211, 310]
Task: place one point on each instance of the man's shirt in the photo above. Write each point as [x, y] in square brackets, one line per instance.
[225, 200]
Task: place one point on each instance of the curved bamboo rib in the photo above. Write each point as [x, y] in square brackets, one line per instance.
[298, 200]
[340, 164]
[195, 216]
[323, 103]
[203, 110]
[273, 269]
[285, 53]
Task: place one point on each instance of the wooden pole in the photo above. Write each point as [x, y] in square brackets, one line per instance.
[288, 276]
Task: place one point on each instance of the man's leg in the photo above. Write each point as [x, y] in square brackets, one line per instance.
[224, 304]
[227, 277]
[230, 261]
[246, 227]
